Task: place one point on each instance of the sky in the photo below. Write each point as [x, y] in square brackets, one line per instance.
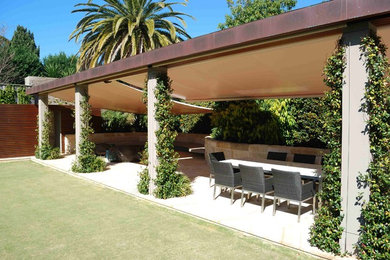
[52, 22]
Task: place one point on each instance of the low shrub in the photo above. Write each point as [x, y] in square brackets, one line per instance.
[143, 184]
[88, 163]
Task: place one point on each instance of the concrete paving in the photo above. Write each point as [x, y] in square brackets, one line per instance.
[282, 228]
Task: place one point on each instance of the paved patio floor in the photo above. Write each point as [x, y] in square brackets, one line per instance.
[282, 228]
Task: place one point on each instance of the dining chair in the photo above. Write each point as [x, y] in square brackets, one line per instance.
[253, 181]
[225, 177]
[277, 156]
[288, 185]
[218, 156]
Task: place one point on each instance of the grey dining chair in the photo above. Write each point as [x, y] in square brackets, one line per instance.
[288, 185]
[225, 177]
[253, 181]
[218, 156]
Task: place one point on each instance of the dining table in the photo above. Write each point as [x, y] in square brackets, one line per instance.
[313, 174]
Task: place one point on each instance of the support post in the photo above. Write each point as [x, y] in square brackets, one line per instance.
[57, 129]
[355, 140]
[43, 108]
[81, 93]
[153, 74]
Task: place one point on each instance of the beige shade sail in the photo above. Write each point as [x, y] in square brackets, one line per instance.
[119, 96]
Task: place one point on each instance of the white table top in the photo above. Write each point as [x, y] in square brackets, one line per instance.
[311, 172]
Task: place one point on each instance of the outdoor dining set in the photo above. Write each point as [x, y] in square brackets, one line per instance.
[289, 183]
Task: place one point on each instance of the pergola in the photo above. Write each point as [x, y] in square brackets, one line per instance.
[281, 56]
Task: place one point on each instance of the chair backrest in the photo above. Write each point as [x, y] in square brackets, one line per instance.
[219, 156]
[287, 184]
[277, 156]
[223, 173]
[304, 158]
[252, 178]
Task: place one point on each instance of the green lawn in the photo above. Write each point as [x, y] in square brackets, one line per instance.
[48, 214]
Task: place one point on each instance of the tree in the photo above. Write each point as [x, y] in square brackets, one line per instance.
[245, 11]
[122, 28]
[25, 55]
[6, 66]
[59, 65]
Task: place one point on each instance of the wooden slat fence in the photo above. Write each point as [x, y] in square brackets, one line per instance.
[17, 130]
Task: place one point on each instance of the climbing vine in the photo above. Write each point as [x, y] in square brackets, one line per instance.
[374, 240]
[144, 178]
[46, 151]
[326, 230]
[169, 183]
[87, 161]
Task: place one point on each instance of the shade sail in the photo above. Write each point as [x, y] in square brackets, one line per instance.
[115, 95]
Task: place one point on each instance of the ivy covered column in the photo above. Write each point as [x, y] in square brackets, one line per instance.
[355, 139]
[81, 94]
[153, 125]
[43, 109]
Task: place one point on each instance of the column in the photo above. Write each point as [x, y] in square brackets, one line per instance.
[153, 74]
[43, 108]
[355, 140]
[81, 93]
[57, 129]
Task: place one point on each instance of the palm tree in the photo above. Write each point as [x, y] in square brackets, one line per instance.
[122, 28]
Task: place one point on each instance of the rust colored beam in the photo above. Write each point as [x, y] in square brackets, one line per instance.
[309, 19]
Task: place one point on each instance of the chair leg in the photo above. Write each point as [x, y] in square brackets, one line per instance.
[262, 203]
[288, 204]
[299, 211]
[210, 181]
[242, 198]
[278, 202]
[231, 196]
[215, 189]
[274, 208]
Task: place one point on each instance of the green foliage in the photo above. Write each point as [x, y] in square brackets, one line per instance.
[21, 96]
[14, 95]
[123, 28]
[307, 129]
[375, 231]
[115, 121]
[6, 65]
[144, 178]
[46, 151]
[168, 182]
[59, 65]
[195, 123]
[326, 231]
[245, 11]
[143, 184]
[8, 95]
[87, 161]
[25, 55]
[245, 122]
